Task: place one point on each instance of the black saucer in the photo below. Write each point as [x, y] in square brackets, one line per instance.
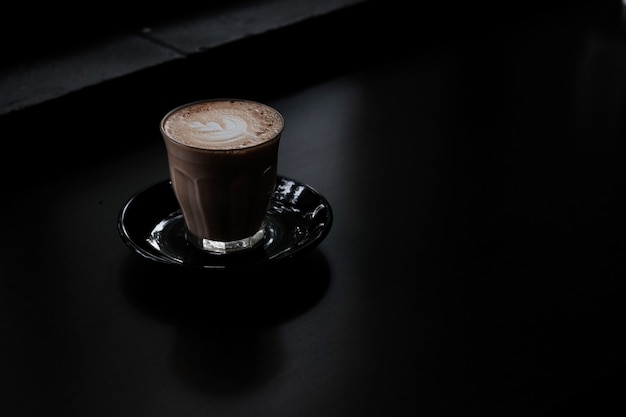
[151, 224]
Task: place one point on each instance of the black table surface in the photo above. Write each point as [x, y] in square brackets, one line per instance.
[475, 264]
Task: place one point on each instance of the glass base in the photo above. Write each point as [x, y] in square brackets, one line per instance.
[223, 248]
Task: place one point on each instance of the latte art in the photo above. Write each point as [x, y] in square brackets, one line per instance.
[222, 124]
[230, 128]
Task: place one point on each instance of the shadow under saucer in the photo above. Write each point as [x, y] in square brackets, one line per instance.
[226, 336]
[259, 296]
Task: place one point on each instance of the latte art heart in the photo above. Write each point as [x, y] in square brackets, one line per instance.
[222, 124]
[230, 128]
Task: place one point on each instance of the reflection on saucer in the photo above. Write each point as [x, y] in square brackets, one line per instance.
[151, 224]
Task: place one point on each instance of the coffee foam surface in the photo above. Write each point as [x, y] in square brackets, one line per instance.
[223, 124]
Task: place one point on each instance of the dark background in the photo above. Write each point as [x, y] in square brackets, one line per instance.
[475, 265]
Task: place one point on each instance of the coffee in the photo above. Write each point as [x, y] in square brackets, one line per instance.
[223, 124]
[222, 157]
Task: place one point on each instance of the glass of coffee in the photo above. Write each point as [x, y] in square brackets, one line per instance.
[222, 156]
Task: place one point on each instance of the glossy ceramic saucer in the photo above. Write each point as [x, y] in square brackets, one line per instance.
[151, 224]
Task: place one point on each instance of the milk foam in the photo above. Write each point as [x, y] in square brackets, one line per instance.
[223, 124]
